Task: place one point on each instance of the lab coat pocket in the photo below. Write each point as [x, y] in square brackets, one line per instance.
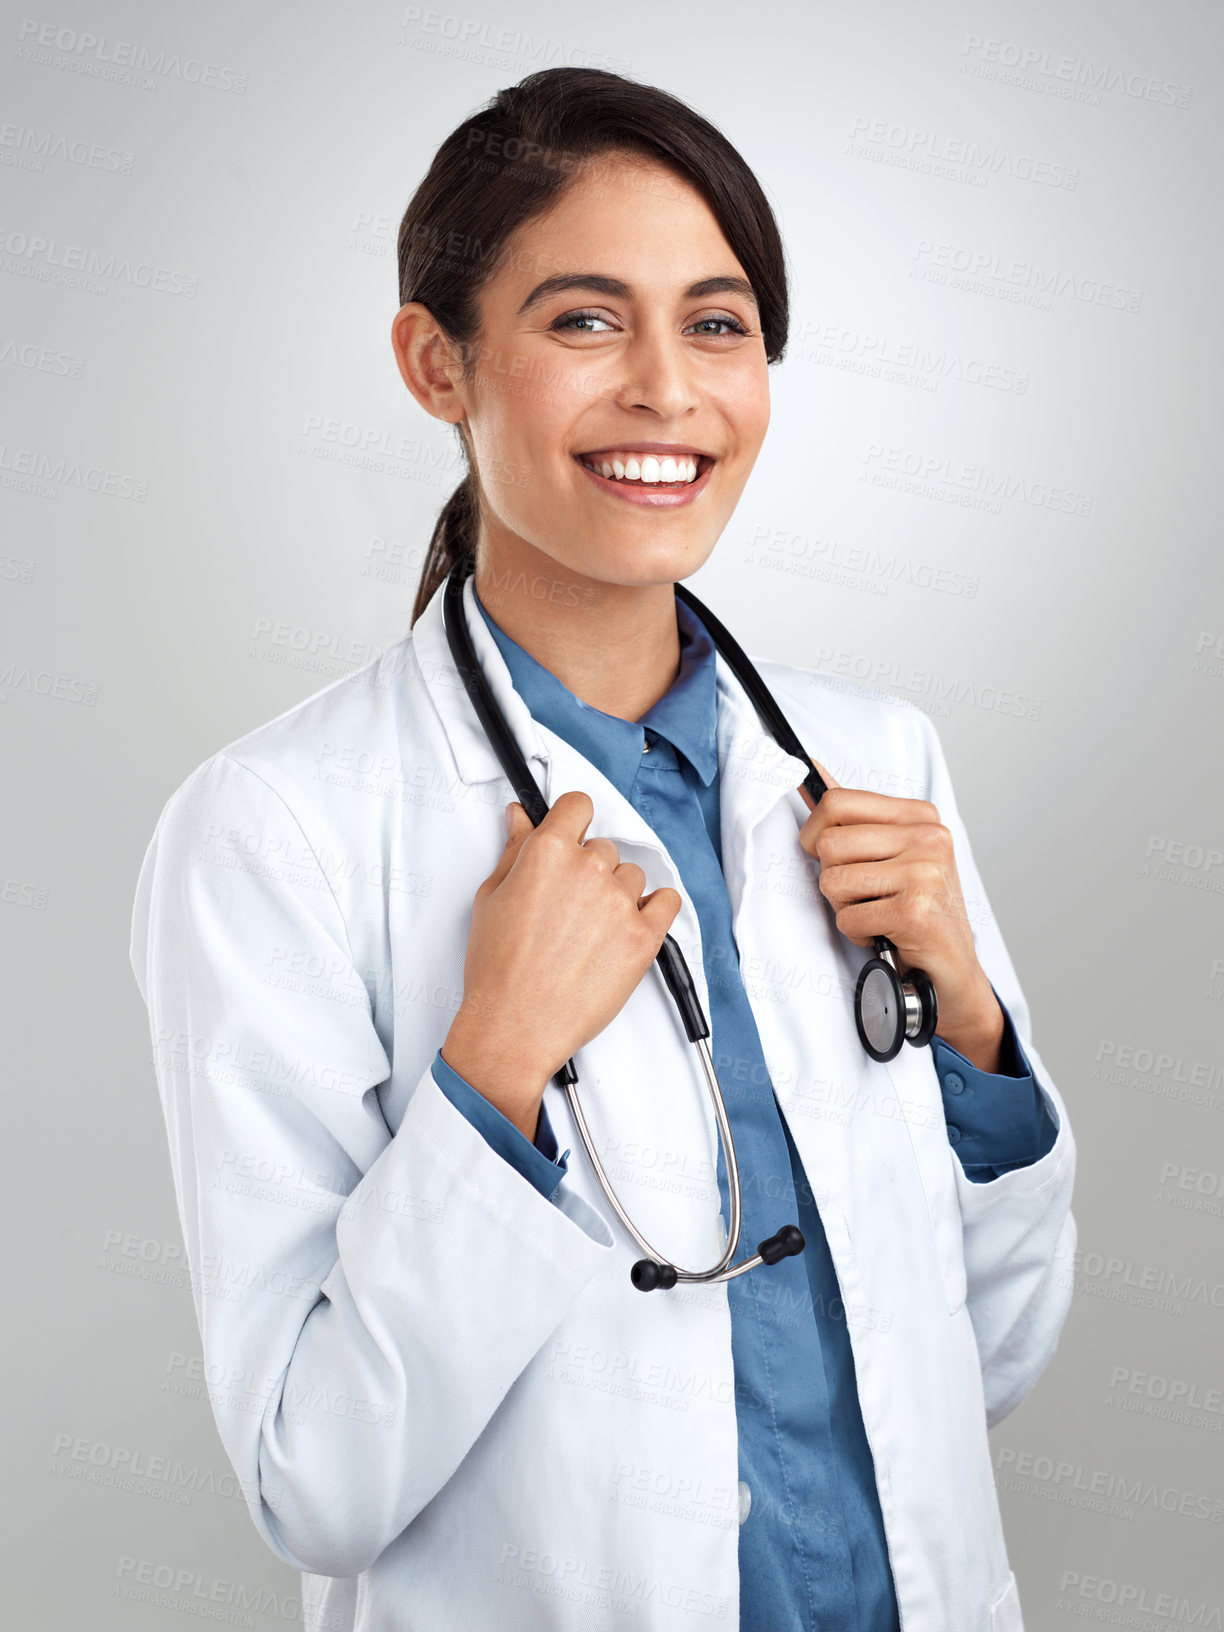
[1005, 1611]
[916, 1084]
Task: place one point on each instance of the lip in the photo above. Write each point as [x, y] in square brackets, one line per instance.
[653, 497]
[645, 447]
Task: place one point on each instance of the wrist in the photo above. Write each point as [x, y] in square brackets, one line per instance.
[977, 1032]
[513, 1085]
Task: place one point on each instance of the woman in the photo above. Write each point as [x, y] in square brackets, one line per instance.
[457, 1410]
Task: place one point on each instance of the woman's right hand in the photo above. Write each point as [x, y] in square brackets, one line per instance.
[561, 936]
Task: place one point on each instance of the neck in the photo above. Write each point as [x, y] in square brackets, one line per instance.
[615, 646]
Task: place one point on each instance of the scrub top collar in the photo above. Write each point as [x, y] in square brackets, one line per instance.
[686, 715]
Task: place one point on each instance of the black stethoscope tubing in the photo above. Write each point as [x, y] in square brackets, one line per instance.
[887, 1010]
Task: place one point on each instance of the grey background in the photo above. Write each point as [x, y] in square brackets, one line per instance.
[273, 488]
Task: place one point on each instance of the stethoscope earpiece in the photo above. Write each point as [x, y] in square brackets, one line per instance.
[649, 1273]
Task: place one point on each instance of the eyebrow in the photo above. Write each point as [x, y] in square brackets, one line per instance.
[615, 286]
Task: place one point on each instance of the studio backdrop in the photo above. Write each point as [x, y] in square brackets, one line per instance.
[986, 489]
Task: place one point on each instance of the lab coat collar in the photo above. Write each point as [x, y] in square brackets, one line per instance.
[754, 771]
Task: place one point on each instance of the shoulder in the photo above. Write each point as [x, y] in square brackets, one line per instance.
[866, 737]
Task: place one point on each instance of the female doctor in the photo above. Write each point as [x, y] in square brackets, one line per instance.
[449, 1405]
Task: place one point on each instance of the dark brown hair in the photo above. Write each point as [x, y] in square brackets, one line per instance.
[509, 162]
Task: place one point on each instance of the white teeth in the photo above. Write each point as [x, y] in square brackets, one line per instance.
[648, 469]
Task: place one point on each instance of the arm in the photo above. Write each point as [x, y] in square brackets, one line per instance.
[1018, 1230]
[353, 1263]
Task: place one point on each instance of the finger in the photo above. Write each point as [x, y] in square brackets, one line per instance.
[571, 814]
[659, 909]
[850, 806]
[519, 826]
[604, 848]
[863, 881]
[842, 844]
[631, 877]
[826, 777]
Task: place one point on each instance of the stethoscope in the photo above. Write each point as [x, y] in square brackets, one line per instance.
[887, 1009]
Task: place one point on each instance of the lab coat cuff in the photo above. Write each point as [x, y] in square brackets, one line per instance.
[997, 1120]
[539, 1163]
[489, 1181]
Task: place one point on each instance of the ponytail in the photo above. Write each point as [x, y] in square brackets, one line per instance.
[454, 539]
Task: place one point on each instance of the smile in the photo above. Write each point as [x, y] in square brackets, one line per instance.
[658, 480]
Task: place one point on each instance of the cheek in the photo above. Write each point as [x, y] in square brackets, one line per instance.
[755, 405]
[525, 426]
[744, 402]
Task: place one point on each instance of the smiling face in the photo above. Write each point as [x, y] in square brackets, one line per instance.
[619, 323]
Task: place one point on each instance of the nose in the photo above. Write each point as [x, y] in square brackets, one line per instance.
[658, 375]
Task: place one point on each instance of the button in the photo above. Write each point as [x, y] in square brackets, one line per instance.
[954, 1083]
[954, 1135]
[745, 1501]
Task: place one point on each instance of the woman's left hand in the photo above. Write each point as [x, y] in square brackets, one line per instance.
[887, 868]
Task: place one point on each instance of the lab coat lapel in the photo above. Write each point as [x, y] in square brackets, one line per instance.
[799, 971]
[556, 764]
[754, 773]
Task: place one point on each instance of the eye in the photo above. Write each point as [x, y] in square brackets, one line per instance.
[576, 318]
[733, 323]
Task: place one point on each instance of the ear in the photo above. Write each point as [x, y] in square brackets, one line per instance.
[428, 363]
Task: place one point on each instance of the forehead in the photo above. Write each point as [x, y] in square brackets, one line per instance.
[629, 217]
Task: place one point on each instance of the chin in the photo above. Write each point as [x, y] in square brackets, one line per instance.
[649, 563]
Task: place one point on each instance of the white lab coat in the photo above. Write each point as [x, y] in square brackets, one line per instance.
[448, 1405]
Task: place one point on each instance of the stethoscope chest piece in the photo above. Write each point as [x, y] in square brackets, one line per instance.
[889, 1011]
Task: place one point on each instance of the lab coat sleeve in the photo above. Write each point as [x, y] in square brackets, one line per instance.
[377, 1294]
[1018, 1229]
[536, 1160]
